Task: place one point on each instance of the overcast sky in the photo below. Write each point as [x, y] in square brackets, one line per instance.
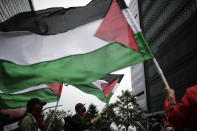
[71, 95]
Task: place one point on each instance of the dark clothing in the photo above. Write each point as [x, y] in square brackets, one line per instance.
[29, 123]
[1, 126]
[4, 120]
[77, 124]
[183, 114]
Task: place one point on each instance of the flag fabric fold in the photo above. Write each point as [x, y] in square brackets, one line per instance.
[70, 53]
[104, 88]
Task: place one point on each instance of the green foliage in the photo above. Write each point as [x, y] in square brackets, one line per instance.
[57, 123]
[125, 109]
[128, 108]
[91, 113]
[107, 116]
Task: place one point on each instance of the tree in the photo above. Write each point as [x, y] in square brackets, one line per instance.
[107, 116]
[57, 123]
[109, 113]
[91, 113]
[128, 108]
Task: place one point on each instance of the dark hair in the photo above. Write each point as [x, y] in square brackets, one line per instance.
[80, 108]
[32, 102]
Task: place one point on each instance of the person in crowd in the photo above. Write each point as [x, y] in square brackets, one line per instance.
[3, 121]
[113, 126]
[33, 119]
[1, 126]
[183, 114]
[167, 125]
[77, 123]
[67, 121]
[132, 127]
[121, 127]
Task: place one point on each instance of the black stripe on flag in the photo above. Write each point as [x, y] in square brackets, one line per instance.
[56, 20]
[112, 77]
[121, 4]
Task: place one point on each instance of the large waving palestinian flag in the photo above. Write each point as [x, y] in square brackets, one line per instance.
[75, 45]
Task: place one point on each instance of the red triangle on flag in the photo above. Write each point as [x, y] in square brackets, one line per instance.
[108, 87]
[56, 87]
[115, 28]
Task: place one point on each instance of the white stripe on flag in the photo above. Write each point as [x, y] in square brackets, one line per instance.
[31, 89]
[11, 126]
[132, 21]
[25, 48]
[98, 83]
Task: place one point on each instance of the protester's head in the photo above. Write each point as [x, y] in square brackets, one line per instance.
[80, 109]
[121, 123]
[35, 104]
[115, 121]
[132, 123]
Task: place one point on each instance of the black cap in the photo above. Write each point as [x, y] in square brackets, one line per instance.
[79, 107]
[34, 101]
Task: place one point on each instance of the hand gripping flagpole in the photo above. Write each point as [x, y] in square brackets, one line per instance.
[136, 28]
[60, 90]
[53, 113]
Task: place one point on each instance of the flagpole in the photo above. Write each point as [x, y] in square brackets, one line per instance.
[161, 73]
[103, 109]
[31, 5]
[60, 90]
[137, 28]
[53, 113]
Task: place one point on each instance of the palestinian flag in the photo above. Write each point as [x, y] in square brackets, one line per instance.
[104, 88]
[13, 105]
[75, 45]
[44, 92]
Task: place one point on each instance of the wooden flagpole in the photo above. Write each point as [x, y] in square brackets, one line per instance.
[160, 73]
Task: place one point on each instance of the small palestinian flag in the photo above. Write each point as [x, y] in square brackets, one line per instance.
[13, 105]
[103, 89]
[45, 92]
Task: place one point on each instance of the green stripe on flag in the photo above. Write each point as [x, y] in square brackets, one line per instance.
[93, 90]
[144, 48]
[20, 100]
[78, 69]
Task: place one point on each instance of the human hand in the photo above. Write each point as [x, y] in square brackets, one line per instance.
[169, 92]
[52, 118]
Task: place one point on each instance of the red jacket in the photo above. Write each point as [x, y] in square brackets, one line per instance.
[183, 114]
